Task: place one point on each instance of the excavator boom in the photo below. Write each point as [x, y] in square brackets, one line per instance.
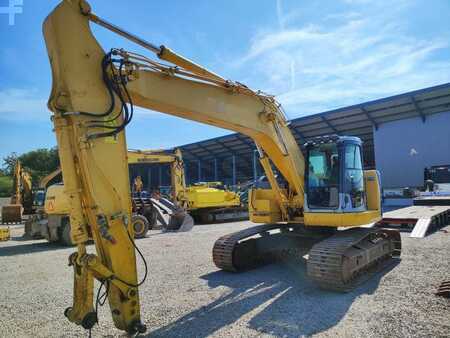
[200, 96]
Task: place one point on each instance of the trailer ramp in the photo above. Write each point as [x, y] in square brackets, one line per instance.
[421, 220]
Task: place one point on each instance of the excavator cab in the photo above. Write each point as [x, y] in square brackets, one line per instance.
[335, 182]
[335, 176]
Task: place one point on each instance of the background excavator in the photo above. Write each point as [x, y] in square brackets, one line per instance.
[152, 206]
[206, 202]
[39, 194]
[92, 100]
[22, 198]
[50, 205]
[52, 222]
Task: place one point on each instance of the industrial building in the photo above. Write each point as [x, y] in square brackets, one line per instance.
[410, 130]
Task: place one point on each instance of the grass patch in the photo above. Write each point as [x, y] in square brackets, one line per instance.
[5, 186]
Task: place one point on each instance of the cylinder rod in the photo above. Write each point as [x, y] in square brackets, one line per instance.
[148, 45]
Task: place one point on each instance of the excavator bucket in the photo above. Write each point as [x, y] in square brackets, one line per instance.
[12, 213]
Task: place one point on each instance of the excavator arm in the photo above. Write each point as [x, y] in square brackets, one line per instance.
[46, 180]
[92, 99]
[22, 185]
[16, 198]
[95, 173]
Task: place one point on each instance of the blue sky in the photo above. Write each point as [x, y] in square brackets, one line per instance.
[313, 55]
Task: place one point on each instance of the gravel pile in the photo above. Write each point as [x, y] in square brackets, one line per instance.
[187, 296]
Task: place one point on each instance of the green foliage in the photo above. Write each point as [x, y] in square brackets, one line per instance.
[9, 162]
[5, 186]
[38, 163]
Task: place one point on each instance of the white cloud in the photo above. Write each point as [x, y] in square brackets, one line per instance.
[359, 57]
[23, 105]
[280, 16]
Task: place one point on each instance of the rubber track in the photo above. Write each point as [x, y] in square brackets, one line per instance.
[324, 264]
[224, 247]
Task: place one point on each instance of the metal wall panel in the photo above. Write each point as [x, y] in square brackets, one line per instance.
[404, 148]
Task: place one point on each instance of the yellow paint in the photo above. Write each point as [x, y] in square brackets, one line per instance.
[43, 183]
[5, 234]
[204, 196]
[198, 196]
[95, 172]
[56, 200]
[175, 160]
[263, 207]
[373, 192]
[340, 219]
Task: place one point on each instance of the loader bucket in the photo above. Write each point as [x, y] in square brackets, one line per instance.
[33, 227]
[180, 221]
[12, 213]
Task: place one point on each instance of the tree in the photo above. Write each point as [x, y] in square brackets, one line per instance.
[9, 162]
[38, 163]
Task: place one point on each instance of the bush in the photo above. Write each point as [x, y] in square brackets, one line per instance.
[38, 163]
[5, 186]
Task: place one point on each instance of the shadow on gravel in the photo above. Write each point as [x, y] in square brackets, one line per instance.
[23, 249]
[284, 301]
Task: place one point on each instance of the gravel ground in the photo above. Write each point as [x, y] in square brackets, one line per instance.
[186, 296]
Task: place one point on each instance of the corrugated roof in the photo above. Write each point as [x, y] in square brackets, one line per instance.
[356, 120]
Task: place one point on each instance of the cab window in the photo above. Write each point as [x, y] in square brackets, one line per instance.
[323, 176]
[353, 178]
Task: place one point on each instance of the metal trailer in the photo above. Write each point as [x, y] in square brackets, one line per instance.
[419, 219]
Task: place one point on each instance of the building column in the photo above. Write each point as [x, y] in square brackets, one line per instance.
[186, 172]
[255, 167]
[160, 176]
[215, 170]
[234, 169]
[199, 170]
[149, 179]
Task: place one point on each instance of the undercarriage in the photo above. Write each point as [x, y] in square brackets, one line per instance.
[336, 260]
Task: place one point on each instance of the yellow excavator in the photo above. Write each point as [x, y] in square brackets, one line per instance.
[174, 159]
[206, 202]
[22, 198]
[51, 218]
[48, 180]
[149, 207]
[92, 100]
[212, 202]
[50, 205]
